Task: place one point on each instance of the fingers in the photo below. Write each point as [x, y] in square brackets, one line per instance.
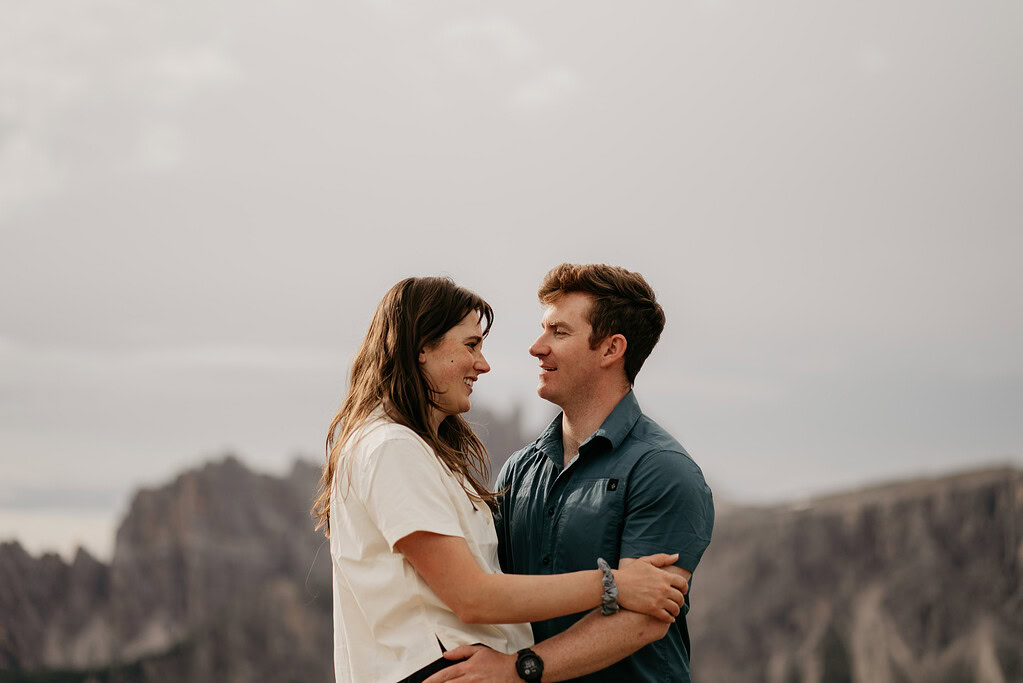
[662, 559]
[676, 591]
[462, 652]
[668, 608]
[453, 672]
[450, 673]
[679, 582]
[664, 615]
[676, 597]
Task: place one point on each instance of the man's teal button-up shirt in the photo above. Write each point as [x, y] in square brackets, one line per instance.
[632, 491]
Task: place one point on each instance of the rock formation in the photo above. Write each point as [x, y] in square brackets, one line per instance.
[919, 581]
[218, 576]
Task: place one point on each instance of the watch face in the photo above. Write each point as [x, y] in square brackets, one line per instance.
[529, 666]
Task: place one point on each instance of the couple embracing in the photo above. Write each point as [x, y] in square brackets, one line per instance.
[578, 566]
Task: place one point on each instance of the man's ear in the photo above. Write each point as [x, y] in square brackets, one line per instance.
[613, 350]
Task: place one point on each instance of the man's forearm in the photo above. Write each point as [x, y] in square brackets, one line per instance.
[596, 642]
[593, 643]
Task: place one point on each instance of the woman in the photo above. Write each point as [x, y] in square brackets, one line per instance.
[406, 507]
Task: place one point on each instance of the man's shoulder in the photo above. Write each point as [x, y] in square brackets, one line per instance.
[648, 437]
[526, 451]
[519, 459]
[531, 454]
[654, 449]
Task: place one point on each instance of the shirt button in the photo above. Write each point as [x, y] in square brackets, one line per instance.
[546, 560]
[550, 512]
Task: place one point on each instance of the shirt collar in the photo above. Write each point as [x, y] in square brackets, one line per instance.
[549, 442]
[614, 429]
[620, 422]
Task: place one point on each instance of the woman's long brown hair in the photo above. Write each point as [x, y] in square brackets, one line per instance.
[415, 314]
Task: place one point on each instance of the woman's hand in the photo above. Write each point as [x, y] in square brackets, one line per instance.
[646, 588]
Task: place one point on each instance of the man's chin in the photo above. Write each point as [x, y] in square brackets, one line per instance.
[544, 392]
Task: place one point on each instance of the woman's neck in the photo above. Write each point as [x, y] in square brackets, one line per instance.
[436, 417]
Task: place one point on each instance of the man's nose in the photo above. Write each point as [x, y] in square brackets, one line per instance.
[539, 348]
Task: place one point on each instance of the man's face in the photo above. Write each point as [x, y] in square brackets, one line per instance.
[568, 366]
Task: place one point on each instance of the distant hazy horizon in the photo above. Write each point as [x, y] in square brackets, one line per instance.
[92, 523]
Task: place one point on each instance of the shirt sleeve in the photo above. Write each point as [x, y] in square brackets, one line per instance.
[402, 485]
[669, 509]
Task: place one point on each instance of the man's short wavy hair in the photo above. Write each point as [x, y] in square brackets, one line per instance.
[623, 303]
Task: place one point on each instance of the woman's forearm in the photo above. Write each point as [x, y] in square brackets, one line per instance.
[650, 585]
[519, 598]
[475, 596]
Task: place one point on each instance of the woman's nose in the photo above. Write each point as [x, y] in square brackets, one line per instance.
[482, 365]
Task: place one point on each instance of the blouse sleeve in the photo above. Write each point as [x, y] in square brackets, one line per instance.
[402, 486]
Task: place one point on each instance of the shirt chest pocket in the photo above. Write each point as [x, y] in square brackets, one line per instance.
[590, 522]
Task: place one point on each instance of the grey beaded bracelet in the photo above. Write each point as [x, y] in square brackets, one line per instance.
[610, 601]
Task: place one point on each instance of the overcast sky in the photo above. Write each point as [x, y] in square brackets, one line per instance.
[202, 203]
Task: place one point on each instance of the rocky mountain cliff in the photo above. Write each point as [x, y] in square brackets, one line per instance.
[918, 581]
[215, 577]
[219, 576]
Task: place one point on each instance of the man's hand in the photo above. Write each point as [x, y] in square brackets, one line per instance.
[481, 664]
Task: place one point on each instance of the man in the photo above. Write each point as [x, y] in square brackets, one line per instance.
[602, 481]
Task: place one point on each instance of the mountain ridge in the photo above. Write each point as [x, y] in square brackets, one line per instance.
[218, 575]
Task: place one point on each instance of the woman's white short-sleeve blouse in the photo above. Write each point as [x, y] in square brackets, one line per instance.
[387, 620]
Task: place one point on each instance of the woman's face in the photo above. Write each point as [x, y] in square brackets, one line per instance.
[453, 365]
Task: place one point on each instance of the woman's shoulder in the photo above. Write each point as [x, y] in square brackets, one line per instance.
[381, 447]
[378, 432]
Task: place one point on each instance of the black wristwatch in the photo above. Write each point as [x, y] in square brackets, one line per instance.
[529, 666]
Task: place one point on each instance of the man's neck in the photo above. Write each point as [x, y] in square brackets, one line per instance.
[579, 422]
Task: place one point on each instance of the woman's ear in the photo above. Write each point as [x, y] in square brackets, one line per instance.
[422, 357]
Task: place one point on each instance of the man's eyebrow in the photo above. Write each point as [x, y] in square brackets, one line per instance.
[474, 338]
[555, 323]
